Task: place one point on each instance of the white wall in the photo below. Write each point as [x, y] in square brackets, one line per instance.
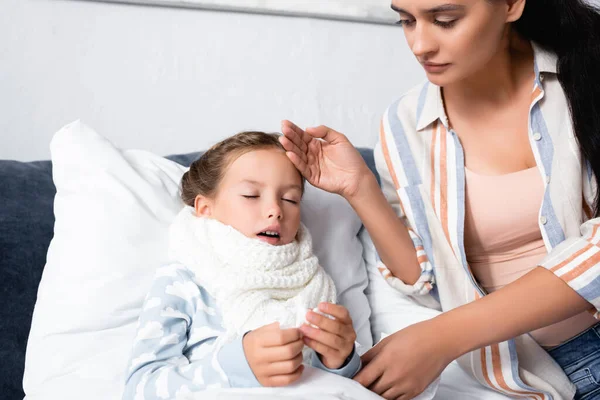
[176, 80]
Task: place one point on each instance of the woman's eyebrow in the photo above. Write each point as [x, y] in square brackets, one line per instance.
[434, 10]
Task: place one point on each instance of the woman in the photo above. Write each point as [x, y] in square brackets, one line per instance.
[492, 167]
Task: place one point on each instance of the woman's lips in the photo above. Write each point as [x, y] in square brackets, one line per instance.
[435, 68]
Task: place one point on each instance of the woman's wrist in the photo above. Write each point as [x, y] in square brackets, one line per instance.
[455, 340]
[366, 186]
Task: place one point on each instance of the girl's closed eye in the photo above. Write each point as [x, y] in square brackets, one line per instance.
[250, 196]
[292, 201]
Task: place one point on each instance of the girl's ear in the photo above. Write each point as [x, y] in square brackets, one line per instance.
[203, 206]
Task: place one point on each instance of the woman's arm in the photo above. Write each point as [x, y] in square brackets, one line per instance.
[389, 234]
[536, 300]
[329, 161]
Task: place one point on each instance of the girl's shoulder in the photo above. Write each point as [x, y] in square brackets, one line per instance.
[174, 272]
[176, 282]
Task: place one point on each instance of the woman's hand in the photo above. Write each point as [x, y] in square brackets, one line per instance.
[333, 340]
[274, 354]
[326, 158]
[403, 365]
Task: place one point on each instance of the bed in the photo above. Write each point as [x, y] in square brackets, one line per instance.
[57, 260]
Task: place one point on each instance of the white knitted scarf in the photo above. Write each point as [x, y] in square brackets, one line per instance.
[254, 283]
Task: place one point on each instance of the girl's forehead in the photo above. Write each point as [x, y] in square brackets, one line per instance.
[261, 166]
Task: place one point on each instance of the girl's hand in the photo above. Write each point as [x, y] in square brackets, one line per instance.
[274, 354]
[334, 339]
[404, 364]
[326, 158]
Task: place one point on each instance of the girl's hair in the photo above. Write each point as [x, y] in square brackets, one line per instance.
[571, 29]
[206, 173]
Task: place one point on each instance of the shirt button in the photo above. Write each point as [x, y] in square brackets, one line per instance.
[537, 136]
[541, 77]
[543, 220]
[548, 179]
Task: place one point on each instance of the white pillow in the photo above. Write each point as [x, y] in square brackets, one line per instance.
[112, 211]
[390, 309]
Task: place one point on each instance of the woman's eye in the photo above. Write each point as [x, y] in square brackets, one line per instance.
[445, 24]
[405, 22]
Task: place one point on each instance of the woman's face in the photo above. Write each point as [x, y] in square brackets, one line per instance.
[453, 39]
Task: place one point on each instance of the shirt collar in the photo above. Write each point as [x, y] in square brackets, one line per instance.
[544, 60]
[431, 104]
[430, 107]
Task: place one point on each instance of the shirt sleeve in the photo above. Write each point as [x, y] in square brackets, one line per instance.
[163, 364]
[348, 370]
[577, 262]
[390, 189]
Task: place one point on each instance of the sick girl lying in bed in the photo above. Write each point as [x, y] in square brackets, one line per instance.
[232, 309]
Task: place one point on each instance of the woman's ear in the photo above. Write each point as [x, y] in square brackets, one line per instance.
[203, 206]
[515, 10]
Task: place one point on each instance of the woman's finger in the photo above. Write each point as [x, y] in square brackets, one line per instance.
[288, 145]
[300, 165]
[371, 354]
[327, 134]
[381, 385]
[306, 138]
[405, 396]
[394, 393]
[295, 134]
[369, 374]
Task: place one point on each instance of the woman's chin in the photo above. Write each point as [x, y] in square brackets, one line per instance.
[440, 80]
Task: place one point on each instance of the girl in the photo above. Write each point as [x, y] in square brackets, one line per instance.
[226, 313]
[490, 205]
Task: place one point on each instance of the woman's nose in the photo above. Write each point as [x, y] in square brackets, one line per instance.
[423, 44]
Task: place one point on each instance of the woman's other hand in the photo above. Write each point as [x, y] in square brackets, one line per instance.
[404, 364]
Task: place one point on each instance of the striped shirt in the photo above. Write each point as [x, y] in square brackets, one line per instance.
[422, 168]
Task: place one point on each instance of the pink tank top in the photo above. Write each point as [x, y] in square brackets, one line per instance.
[503, 240]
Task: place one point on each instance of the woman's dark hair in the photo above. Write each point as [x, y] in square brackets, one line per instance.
[206, 173]
[571, 29]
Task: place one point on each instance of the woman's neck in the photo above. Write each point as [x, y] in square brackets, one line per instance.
[498, 82]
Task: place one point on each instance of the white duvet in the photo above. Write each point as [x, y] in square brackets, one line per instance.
[315, 384]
